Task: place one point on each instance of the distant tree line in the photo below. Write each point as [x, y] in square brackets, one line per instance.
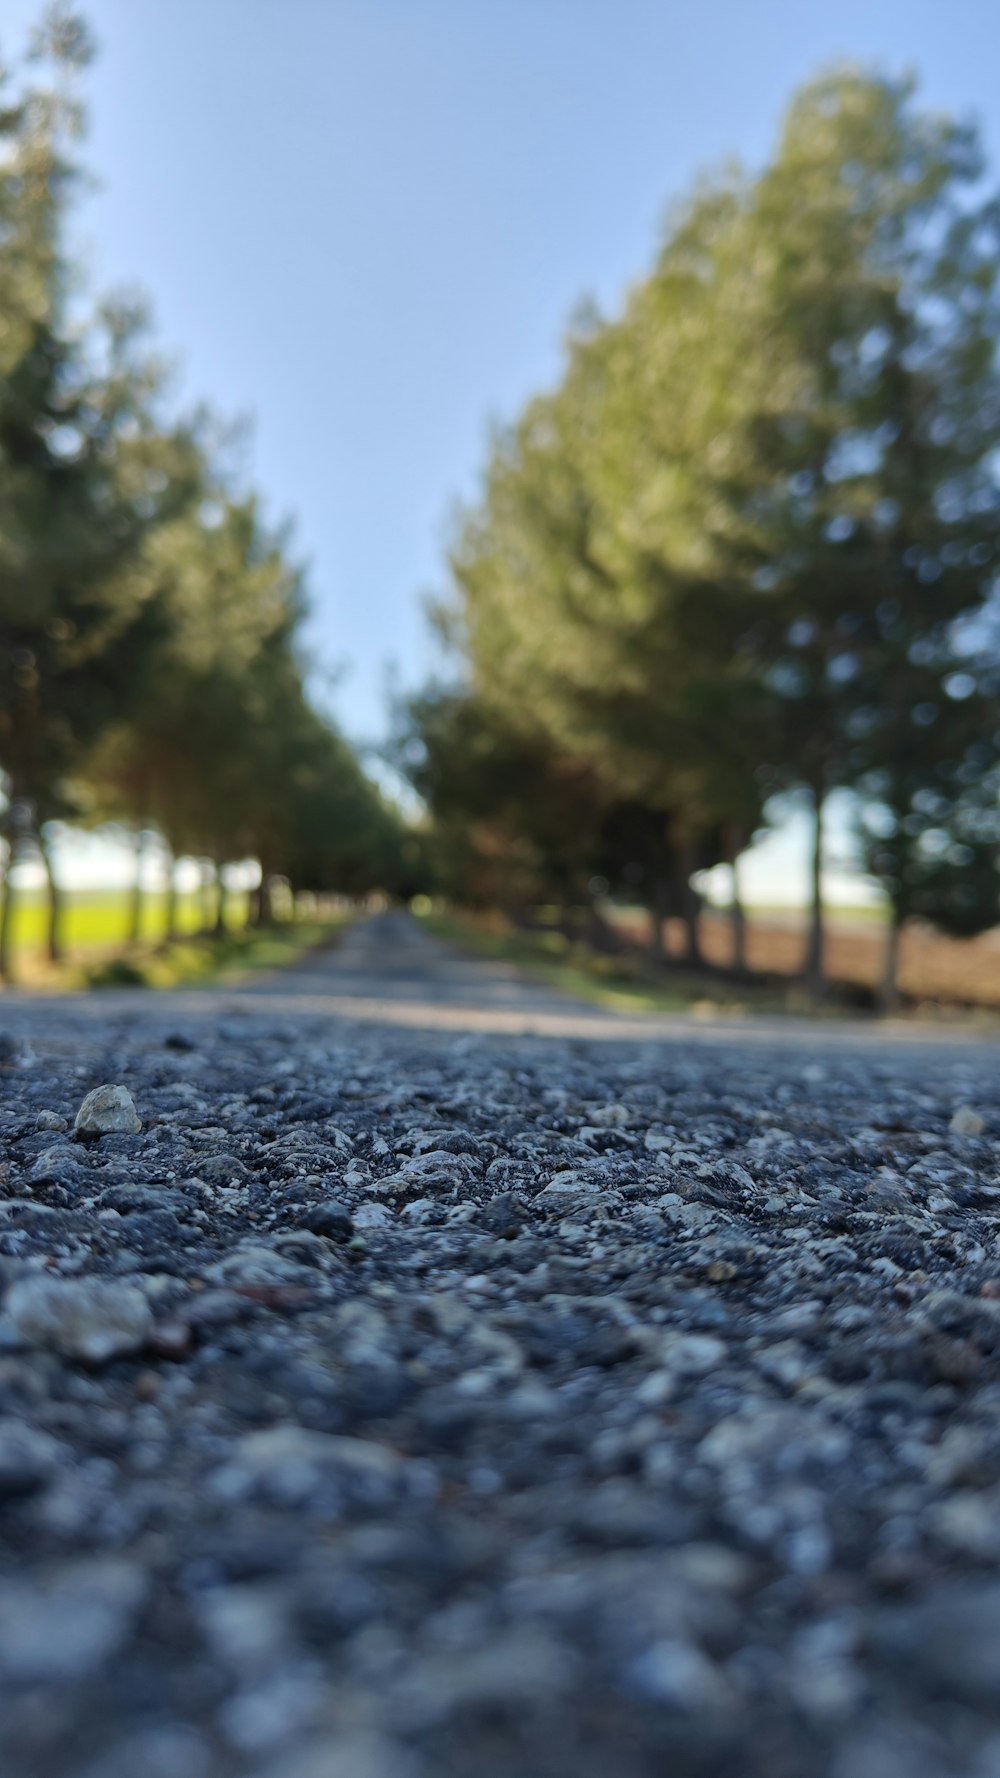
[151, 667]
[749, 544]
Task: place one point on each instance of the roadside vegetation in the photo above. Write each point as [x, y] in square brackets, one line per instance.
[744, 550]
[99, 953]
[943, 978]
[153, 668]
[746, 547]
[202, 960]
[627, 983]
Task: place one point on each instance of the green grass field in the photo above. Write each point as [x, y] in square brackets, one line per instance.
[99, 918]
[95, 937]
[206, 959]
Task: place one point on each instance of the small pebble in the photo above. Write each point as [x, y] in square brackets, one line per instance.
[92, 1319]
[106, 1111]
[51, 1120]
[966, 1122]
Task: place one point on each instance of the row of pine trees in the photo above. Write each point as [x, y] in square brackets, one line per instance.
[151, 663]
[748, 546]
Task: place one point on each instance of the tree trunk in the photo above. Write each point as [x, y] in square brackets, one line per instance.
[814, 960]
[738, 922]
[565, 925]
[207, 904]
[693, 952]
[137, 897]
[658, 909]
[266, 902]
[889, 996]
[603, 936]
[7, 918]
[170, 906]
[54, 944]
[221, 927]
[690, 907]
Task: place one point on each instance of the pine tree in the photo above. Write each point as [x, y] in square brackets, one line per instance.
[85, 471]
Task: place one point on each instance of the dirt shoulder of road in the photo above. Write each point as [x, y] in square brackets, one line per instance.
[629, 984]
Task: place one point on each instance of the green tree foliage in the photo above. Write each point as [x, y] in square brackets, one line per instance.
[219, 749]
[520, 820]
[517, 822]
[149, 620]
[867, 513]
[744, 543]
[929, 822]
[87, 471]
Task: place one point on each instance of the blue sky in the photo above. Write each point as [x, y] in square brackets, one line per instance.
[366, 223]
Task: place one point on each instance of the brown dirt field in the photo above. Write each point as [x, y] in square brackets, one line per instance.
[932, 968]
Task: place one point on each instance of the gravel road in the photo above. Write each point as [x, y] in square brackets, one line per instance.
[449, 1381]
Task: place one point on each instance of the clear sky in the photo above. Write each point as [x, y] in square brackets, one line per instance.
[366, 222]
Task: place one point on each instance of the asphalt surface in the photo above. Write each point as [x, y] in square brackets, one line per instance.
[409, 1372]
[387, 970]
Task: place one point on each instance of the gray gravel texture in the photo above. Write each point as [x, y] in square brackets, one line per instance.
[400, 1405]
